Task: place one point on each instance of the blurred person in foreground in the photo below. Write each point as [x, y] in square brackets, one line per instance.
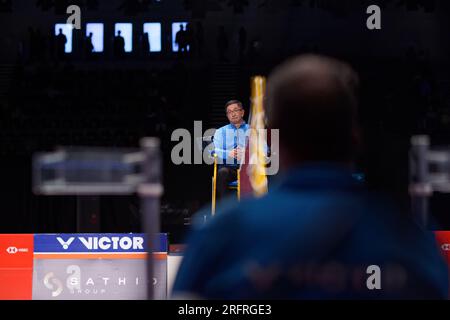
[319, 234]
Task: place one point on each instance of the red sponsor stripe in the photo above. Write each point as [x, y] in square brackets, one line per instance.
[16, 266]
[443, 240]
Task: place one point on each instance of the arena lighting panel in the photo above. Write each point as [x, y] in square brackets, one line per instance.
[126, 30]
[176, 26]
[97, 30]
[154, 33]
[67, 30]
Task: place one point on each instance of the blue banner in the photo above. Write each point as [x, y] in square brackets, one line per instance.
[97, 242]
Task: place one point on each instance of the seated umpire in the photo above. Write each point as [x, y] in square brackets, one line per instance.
[319, 234]
[229, 146]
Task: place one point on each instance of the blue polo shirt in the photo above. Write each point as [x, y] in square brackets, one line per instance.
[227, 138]
[314, 236]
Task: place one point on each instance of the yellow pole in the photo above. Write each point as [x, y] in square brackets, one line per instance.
[239, 184]
[256, 168]
[213, 209]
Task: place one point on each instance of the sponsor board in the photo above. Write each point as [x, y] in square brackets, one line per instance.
[102, 279]
[443, 240]
[99, 243]
[97, 266]
[16, 266]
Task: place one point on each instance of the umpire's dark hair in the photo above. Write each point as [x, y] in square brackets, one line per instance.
[229, 103]
[313, 101]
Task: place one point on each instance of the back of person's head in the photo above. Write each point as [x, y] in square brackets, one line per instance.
[312, 100]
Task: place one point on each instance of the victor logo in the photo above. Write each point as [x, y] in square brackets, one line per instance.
[65, 244]
[446, 247]
[105, 243]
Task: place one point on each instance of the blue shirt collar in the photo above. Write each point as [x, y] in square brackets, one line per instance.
[243, 125]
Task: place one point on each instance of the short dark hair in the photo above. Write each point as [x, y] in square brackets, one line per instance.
[229, 103]
[313, 101]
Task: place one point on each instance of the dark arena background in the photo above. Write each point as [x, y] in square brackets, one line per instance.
[98, 92]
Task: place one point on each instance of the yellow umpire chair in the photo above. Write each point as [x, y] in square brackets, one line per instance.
[256, 121]
[235, 185]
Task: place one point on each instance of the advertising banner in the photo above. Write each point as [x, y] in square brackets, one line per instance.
[16, 266]
[443, 239]
[97, 267]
